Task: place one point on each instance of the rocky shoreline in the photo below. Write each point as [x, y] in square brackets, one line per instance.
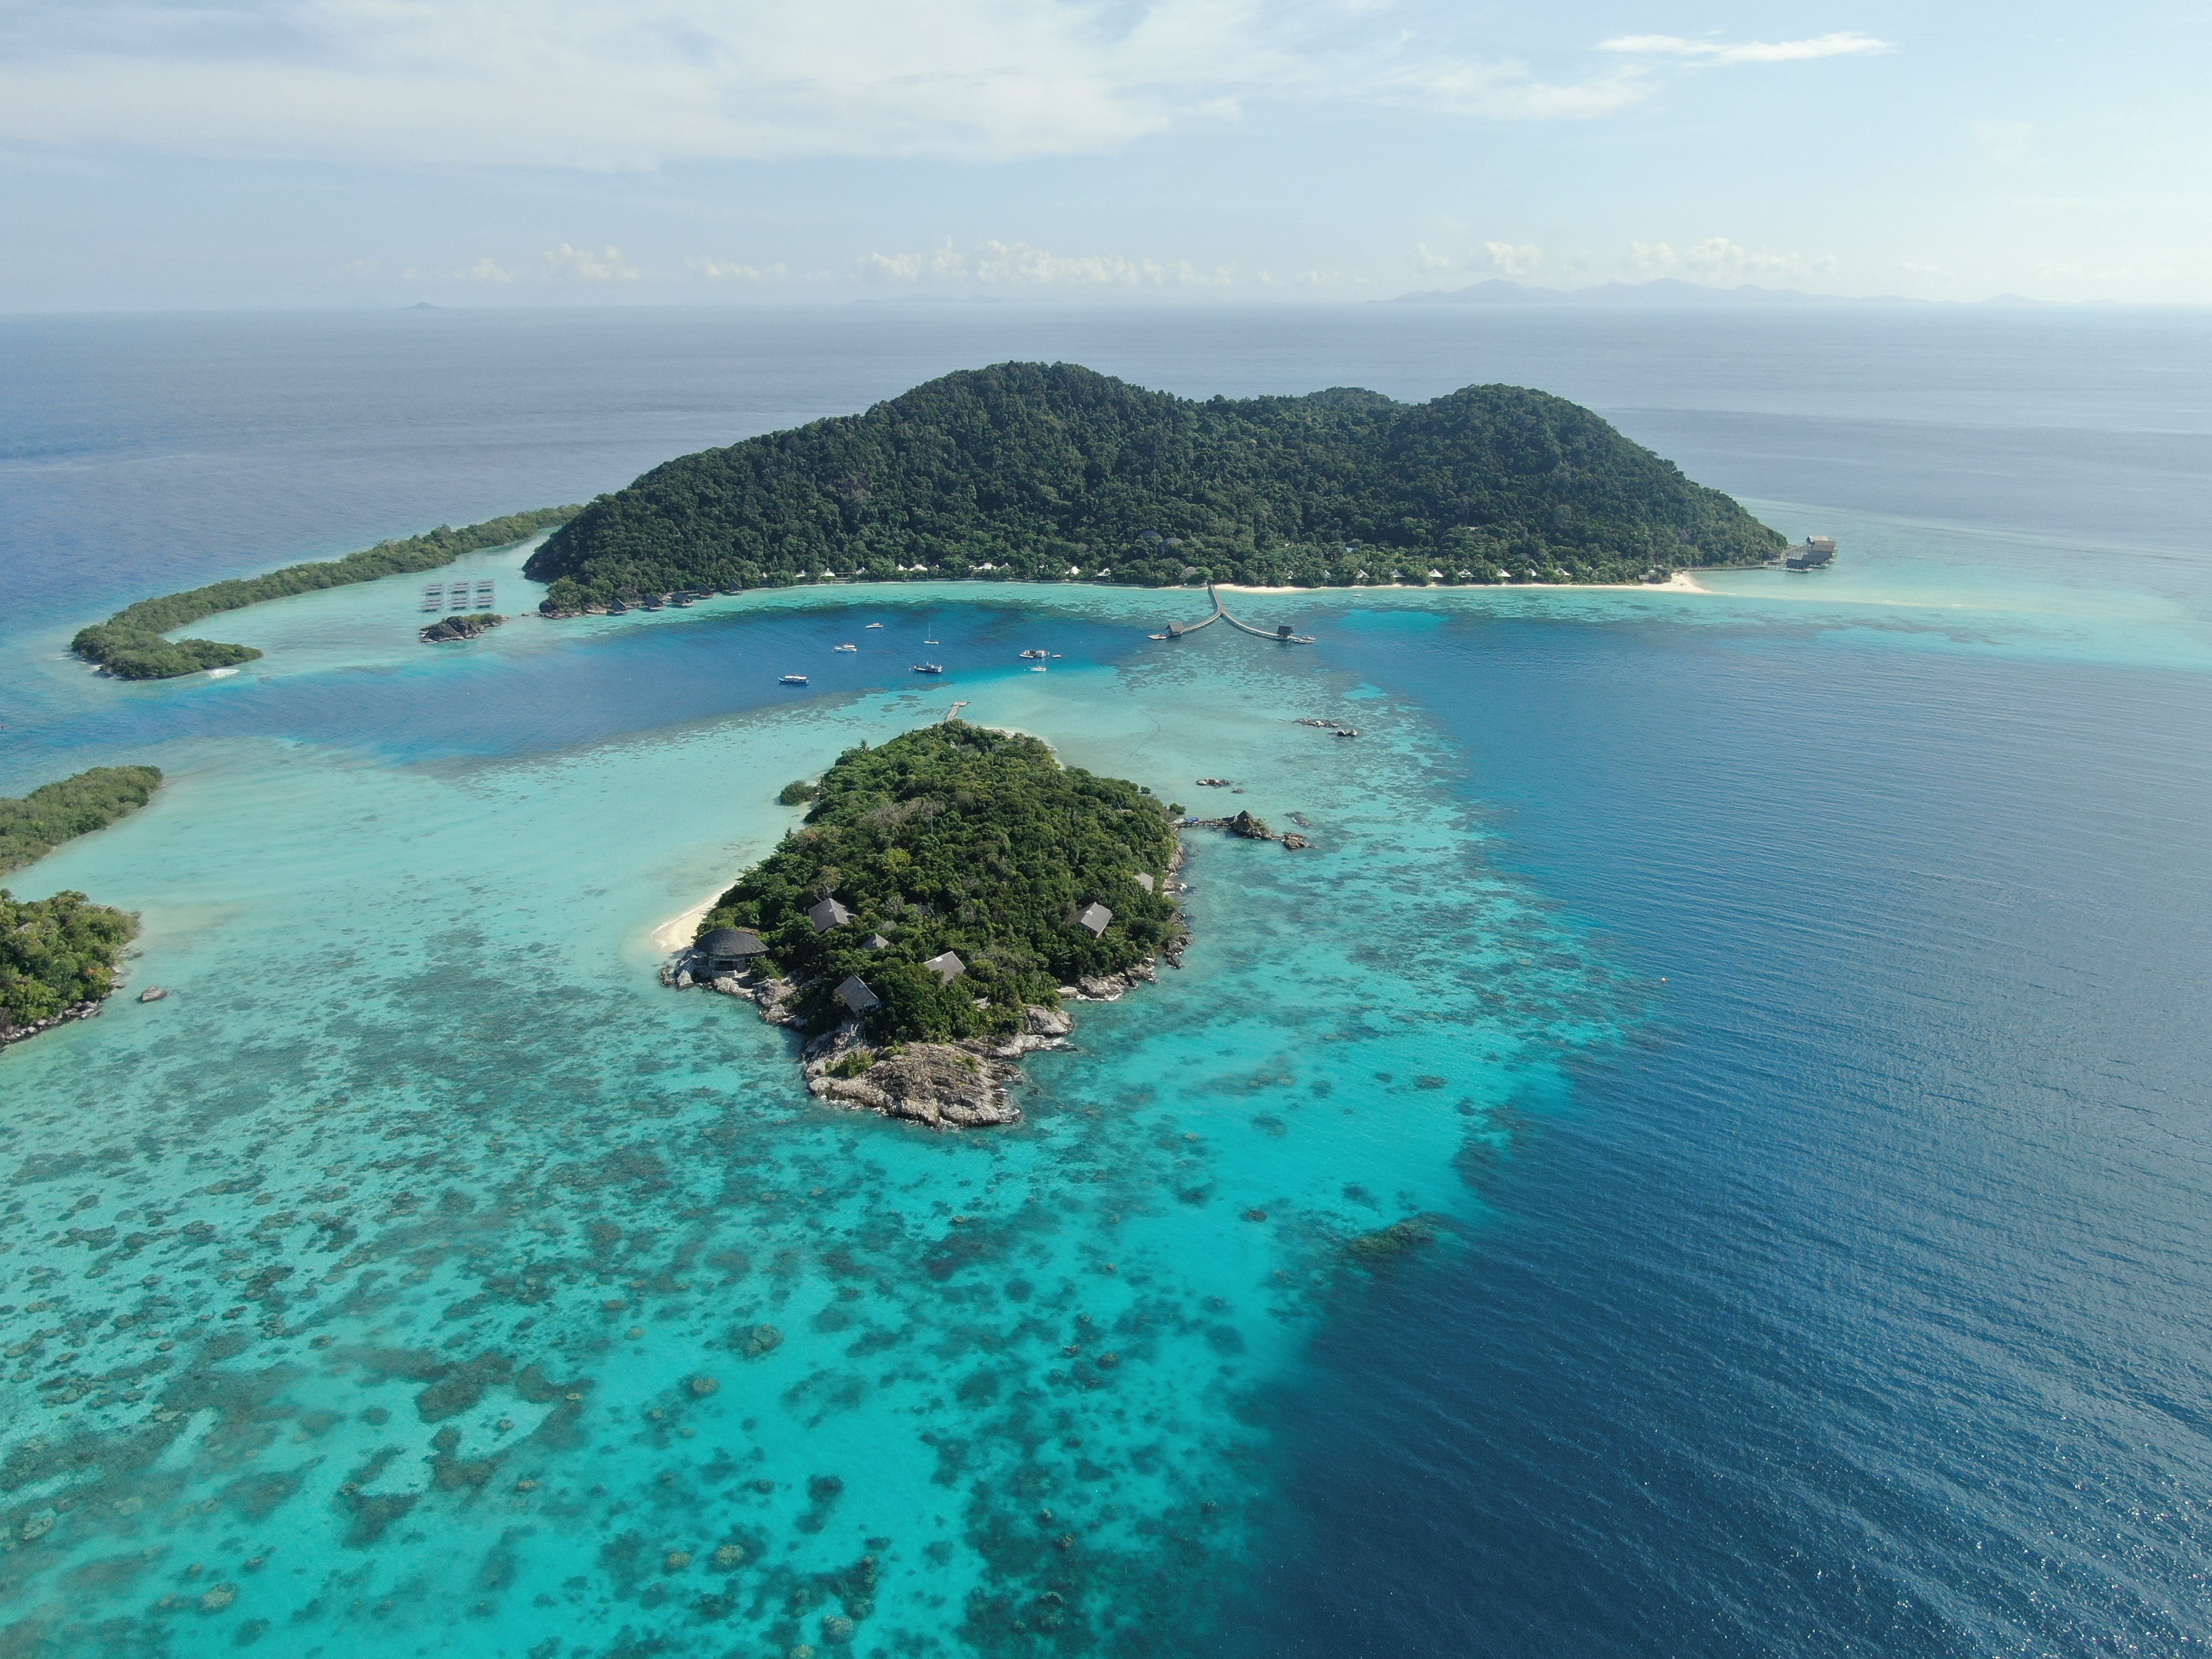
[944, 1085]
[1248, 828]
[13, 1033]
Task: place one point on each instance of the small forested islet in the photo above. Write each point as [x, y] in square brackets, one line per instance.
[129, 644]
[1052, 472]
[951, 838]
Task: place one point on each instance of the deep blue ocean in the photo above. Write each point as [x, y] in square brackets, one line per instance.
[1822, 970]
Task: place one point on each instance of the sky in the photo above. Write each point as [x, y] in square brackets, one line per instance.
[158, 154]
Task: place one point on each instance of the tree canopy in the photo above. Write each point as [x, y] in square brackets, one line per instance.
[60, 951]
[955, 837]
[33, 825]
[1054, 471]
[56, 953]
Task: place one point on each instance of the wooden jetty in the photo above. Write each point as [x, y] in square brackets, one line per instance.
[1281, 635]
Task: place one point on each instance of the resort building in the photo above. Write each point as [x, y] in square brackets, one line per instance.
[1094, 919]
[947, 968]
[731, 949]
[857, 997]
[827, 914]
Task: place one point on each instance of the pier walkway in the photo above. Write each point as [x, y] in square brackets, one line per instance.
[1280, 635]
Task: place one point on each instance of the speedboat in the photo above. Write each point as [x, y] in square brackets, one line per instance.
[929, 668]
[875, 624]
[844, 647]
[792, 679]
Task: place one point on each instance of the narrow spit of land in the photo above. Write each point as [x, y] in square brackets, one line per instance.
[130, 645]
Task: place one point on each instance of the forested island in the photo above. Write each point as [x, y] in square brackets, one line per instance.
[58, 955]
[920, 925]
[1038, 472]
[129, 644]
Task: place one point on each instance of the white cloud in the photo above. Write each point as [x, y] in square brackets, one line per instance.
[1505, 259]
[1717, 260]
[1515, 261]
[1507, 91]
[889, 267]
[720, 271]
[616, 84]
[485, 270]
[1843, 43]
[1024, 265]
[584, 265]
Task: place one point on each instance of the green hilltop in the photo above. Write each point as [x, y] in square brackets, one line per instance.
[1034, 472]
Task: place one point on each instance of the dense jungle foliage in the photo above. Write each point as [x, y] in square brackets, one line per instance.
[1040, 471]
[56, 953]
[953, 837]
[32, 826]
[130, 646]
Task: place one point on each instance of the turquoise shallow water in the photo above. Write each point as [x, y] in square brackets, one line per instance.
[1779, 1000]
[404, 1271]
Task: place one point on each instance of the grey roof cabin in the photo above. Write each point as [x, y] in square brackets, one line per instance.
[1143, 880]
[729, 949]
[857, 997]
[947, 968]
[1094, 918]
[827, 914]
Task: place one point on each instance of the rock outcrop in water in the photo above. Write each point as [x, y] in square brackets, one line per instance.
[461, 628]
